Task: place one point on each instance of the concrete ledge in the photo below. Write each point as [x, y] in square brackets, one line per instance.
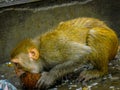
[5, 3]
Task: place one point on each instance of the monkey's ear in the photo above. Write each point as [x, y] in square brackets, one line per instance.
[33, 53]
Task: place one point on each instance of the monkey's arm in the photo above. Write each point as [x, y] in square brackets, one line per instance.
[69, 66]
[49, 78]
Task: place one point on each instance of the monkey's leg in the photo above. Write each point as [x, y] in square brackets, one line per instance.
[98, 70]
[98, 39]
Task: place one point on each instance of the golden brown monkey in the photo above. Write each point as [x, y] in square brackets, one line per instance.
[65, 48]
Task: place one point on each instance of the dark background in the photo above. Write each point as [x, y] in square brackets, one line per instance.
[31, 19]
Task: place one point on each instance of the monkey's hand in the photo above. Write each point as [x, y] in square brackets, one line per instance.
[45, 81]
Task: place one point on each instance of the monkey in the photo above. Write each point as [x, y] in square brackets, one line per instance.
[65, 48]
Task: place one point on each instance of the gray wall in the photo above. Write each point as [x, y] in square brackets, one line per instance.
[30, 20]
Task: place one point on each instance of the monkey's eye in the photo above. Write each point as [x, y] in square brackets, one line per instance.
[17, 65]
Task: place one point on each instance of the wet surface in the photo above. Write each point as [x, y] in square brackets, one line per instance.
[108, 82]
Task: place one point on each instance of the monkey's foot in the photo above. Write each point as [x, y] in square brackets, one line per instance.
[88, 75]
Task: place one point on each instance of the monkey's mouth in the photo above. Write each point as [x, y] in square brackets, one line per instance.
[23, 75]
[20, 72]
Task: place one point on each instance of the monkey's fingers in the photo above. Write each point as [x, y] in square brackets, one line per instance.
[88, 78]
[84, 76]
[40, 83]
[81, 78]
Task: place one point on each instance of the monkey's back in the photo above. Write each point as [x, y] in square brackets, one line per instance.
[79, 28]
[88, 31]
[92, 32]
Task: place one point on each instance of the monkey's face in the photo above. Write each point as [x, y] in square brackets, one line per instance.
[27, 62]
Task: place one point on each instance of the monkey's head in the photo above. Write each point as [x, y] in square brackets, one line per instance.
[26, 57]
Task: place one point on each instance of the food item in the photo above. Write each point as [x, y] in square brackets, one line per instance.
[29, 80]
